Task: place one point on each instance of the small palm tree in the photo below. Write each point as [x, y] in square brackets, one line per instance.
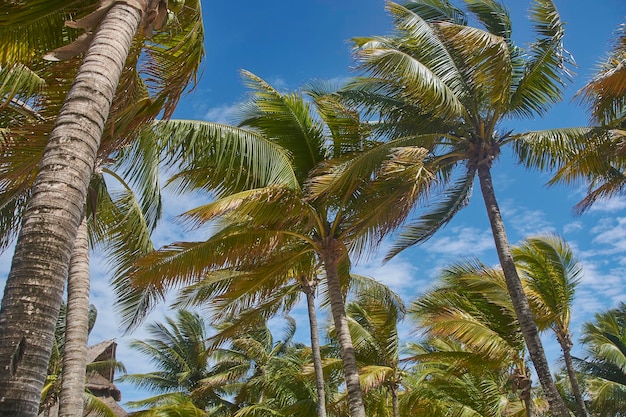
[180, 351]
[472, 307]
[373, 317]
[448, 379]
[551, 274]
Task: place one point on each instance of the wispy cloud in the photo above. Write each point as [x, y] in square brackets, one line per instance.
[461, 241]
[222, 114]
[609, 205]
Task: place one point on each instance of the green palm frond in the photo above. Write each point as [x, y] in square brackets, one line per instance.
[174, 57]
[455, 197]
[220, 157]
[30, 29]
[549, 149]
[547, 70]
[285, 118]
[552, 275]
[489, 64]
[426, 86]
[493, 15]
[18, 84]
[97, 407]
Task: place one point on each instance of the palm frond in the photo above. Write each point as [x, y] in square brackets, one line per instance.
[547, 71]
[222, 158]
[453, 199]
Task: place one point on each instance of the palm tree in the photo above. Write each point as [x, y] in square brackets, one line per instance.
[605, 341]
[59, 191]
[448, 379]
[281, 214]
[551, 273]
[443, 85]
[180, 351]
[373, 317]
[249, 298]
[471, 307]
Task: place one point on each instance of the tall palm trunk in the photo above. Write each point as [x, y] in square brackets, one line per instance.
[76, 328]
[308, 288]
[331, 254]
[566, 346]
[520, 302]
[34, 287]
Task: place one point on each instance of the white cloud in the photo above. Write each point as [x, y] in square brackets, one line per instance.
[222, 114]
[572, 227]
[609, 205]
[461, 241]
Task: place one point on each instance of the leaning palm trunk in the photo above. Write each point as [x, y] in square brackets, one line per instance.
[308, 289]
[76, 328]
[518, 298]
[566, 346]
[34, 287]
[330, 257]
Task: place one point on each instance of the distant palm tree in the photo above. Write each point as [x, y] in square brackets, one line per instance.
[605, 366]
[443, 85]
[448, 379]
[550, 274]
[179, 350]
[471, 307]
[373, 317]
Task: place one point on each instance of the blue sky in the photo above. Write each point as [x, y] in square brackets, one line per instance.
[289, 43]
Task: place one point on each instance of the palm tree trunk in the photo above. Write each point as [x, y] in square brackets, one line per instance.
[76, 328]
[520, 302]
[34, 287]
[566, 346]
[330, 257]
[315, 349]
[394, 400]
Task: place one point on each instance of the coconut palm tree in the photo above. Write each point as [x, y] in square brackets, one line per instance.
[441, 84]
[373, 317]
[448, 379]
[180, 351]
[282, 215]
[551, 274]
[471, 306]
[60, 186]
[605, 342]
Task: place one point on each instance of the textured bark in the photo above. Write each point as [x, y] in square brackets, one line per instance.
[315, 350]
[566, 346]
[76, 328]
[520, 302]
[330, 257]
[394, 401]
[34, 287]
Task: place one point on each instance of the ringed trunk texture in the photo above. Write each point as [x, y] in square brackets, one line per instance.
[566, 346]
[330, 257]
[34, 287]
[76, 328]
[315, 351]
[520, 302]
